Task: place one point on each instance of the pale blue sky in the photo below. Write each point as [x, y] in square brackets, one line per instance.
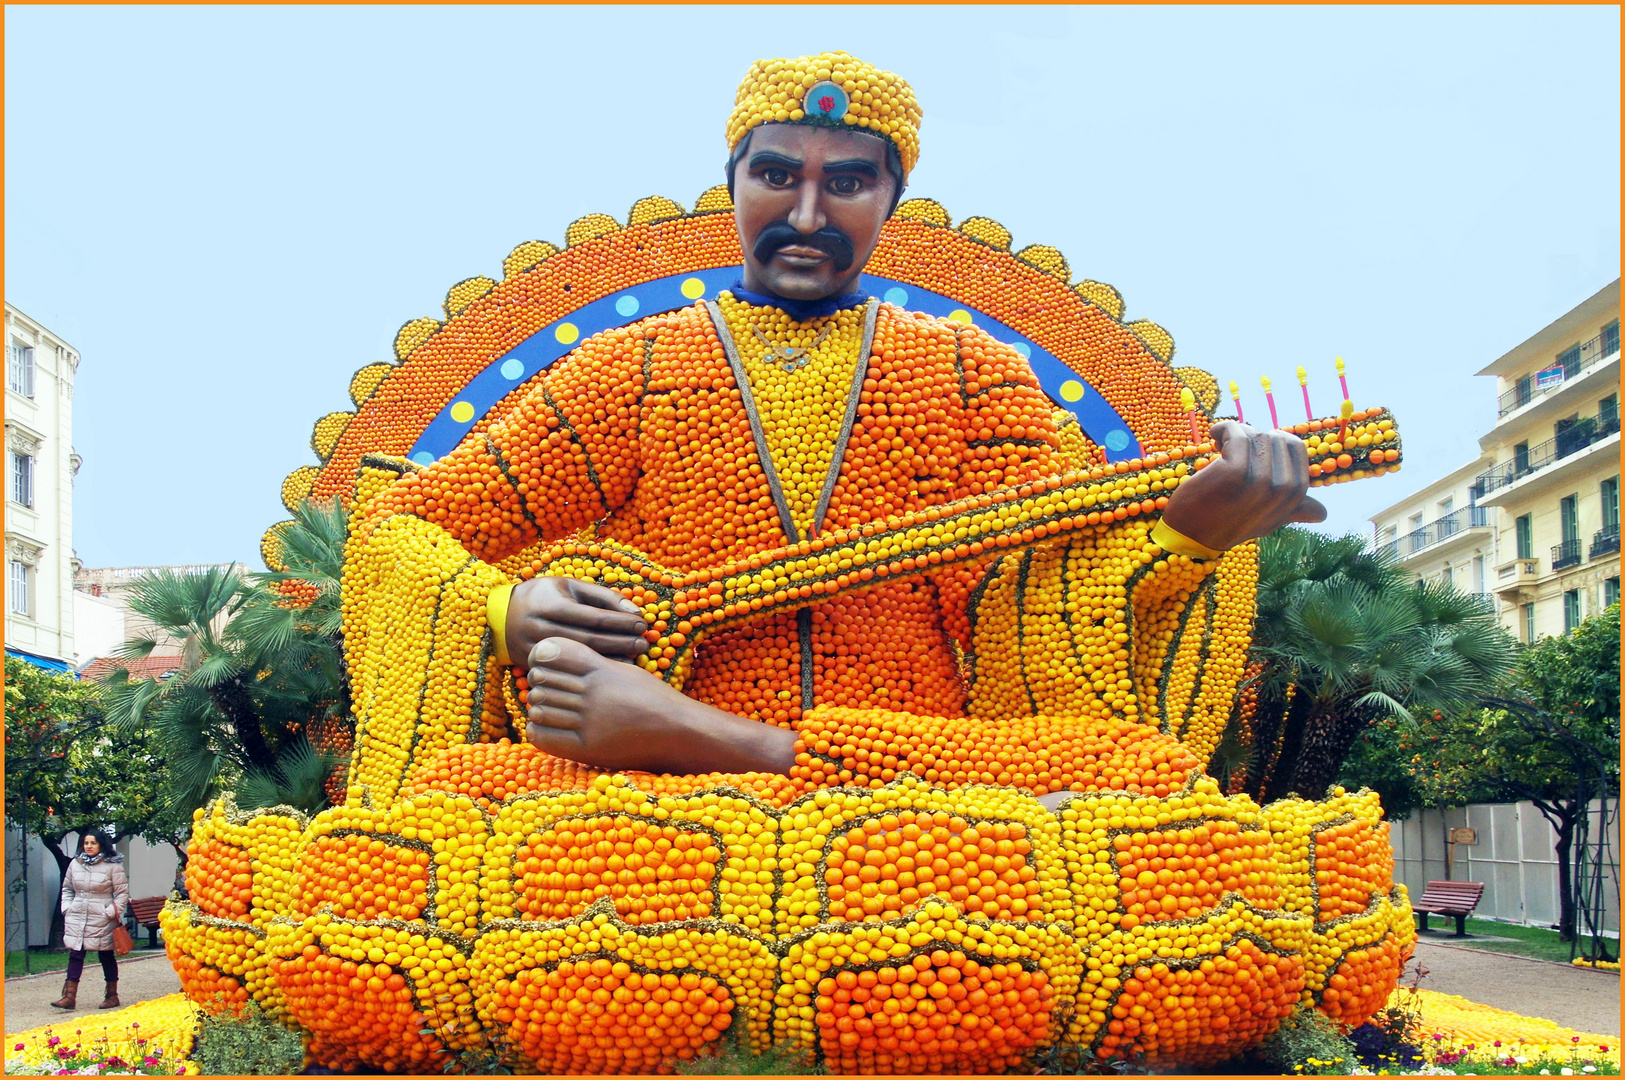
[228, 211]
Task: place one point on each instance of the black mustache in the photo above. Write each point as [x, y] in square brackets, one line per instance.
[831, 241]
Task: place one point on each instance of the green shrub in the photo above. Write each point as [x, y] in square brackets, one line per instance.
[1309, 1043]
[249, 1044]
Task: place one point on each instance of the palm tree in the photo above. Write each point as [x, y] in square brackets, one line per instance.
[262, 670]
[1346, 639]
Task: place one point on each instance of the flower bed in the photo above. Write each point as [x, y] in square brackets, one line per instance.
[1459, 1037]
[1466, 1037]
[152, 1038]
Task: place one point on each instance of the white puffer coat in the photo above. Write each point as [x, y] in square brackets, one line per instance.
[94, 899]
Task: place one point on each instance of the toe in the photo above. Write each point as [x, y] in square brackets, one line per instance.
[563, 655]
[559, 742]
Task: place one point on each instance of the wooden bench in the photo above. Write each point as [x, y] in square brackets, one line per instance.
[146, 912]
[1457, 898]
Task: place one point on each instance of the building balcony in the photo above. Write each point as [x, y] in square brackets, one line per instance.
[1605, 542]
[1456, 525]
[1532, 467]
[1515, 577]
[1566, 554]
[1599, 350]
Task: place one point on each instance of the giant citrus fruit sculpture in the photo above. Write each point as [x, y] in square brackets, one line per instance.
[890, 907]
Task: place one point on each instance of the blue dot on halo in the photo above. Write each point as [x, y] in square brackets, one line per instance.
[1116, 439]
[626, 306]
[512, 369]
[1024, 350]
[423, 457]
[896, 296]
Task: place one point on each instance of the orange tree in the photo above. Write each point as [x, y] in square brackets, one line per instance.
[68, 770]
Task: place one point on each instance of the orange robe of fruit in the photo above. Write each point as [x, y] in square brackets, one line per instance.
[645, 435]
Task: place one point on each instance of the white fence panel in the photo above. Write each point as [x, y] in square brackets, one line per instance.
[1515, 857]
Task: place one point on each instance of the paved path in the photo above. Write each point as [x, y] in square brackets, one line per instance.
[1574, 997]
[29, 997]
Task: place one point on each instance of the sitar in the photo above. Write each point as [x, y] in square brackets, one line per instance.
[684, 607]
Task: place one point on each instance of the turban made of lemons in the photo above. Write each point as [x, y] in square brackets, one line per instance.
[834, 89]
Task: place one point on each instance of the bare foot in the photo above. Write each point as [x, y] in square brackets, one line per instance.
[613, 715]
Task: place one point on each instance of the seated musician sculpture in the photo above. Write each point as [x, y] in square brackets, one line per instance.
[842, 595]
[789, 407]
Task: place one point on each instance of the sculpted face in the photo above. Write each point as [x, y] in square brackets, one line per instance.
[809, 203]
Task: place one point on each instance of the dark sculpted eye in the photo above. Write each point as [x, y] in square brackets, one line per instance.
[776, 176]
[846, 185]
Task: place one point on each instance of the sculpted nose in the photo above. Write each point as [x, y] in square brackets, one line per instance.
[808, 215]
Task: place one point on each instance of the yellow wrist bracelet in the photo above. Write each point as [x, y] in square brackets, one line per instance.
[496, 614]
[1171, 539]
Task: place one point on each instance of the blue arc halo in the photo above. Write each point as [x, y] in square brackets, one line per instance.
[1104, 426]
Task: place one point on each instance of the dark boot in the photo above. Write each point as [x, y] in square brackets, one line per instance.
[70, 996]
[111, 1000]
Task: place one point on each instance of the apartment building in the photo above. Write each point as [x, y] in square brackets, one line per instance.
[1553, 477]
[40, 465]
[1532, 524]
[1440, 534]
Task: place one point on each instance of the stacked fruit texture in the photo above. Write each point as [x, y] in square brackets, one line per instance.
[889, 907]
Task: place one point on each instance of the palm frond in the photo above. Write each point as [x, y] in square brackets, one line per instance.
[125, 700]
[1328, 557]
[266, 630]
[185, 603]
[314, 543]
[1483, 643]
[1376, 569]
[193, 773]
[217, 667]
[312, 548]
[297, 780]
[1327, 631]
[1388, 616]
[1383, 704]
[136, 648]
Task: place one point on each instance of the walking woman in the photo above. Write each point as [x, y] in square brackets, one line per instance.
[95, 894]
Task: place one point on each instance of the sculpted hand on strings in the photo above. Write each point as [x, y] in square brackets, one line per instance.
[1259, 483]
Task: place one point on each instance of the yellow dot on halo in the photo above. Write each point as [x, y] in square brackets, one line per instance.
[693, 288]
[1072, 390]
[566, 333]
[462, 412]
[960, 315]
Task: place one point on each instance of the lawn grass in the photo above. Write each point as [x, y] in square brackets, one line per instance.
[50, 960]
[38, 960]
[1535, 942]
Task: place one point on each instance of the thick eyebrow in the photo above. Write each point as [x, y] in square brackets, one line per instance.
[853, 165]
[768, 157]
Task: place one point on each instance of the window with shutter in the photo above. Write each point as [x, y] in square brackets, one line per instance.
[22, 478]
[20, 368]
[17, 587]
